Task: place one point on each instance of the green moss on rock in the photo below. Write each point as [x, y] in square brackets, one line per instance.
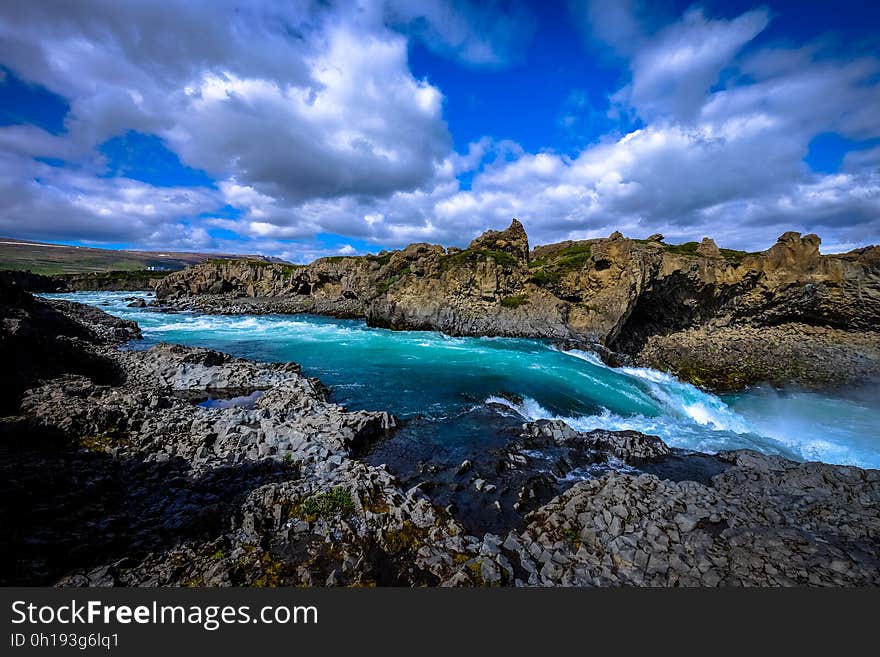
[514, 301]
[321, 505]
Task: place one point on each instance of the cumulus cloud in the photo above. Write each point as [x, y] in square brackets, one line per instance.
[720, 156]
[308, 117]
[673, 70]
[39, 201]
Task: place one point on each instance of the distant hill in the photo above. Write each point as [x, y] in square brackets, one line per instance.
[50, 259]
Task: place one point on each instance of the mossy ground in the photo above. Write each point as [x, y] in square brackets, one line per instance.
[690, 249]
[102, 442]
[322, 505]
[383, 286]
[515, 301]
[471, 256]
[550, 269]
[118, 276]
[286, 268]
[408, 538]
[382, 259]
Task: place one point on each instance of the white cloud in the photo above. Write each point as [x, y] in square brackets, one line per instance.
[476, 32]
[44, 202]
[673, 70]
[312, 123]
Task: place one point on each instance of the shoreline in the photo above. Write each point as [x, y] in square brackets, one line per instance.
[719, 319]
[801, 356]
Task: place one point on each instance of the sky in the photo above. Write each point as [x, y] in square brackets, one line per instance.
[307, 129]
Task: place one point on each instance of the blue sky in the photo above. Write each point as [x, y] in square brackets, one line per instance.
[309, 129]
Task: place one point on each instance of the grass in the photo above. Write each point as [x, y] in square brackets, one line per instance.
[514, 301]
[736, 256]
[383, 286]
[322, 505]
[686, 249]
[690, 249]
[408, 538]
[545, 277]
[550, 269]
[52, 259]
[470, 256]
[129, 275]
[572, 536]
[101, 442]
[381, 259]
[286, 268]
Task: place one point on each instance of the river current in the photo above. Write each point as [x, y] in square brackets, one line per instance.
[454, 391]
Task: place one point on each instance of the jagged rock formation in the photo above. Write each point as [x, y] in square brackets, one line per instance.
[641, 297]
[765, 521]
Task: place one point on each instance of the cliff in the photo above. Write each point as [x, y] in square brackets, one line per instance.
[618, 292]
[111, 281]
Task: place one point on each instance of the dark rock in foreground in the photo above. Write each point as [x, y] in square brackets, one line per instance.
[112, 475]
[765, 521]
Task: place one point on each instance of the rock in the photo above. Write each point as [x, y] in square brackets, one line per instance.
[120, 479]
[693, 534]
[629, 446]
[513, 241]
[137, 303]
[617, 292]
[732, 358]
[708, 248]
[27, 281]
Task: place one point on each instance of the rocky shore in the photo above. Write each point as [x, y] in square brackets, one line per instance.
[116, 473]
[692, 309]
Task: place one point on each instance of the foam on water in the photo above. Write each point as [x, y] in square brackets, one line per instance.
[446, 380]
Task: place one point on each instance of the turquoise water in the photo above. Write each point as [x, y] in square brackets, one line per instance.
[452, 388]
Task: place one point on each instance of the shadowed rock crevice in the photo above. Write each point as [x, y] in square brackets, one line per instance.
[66, 508]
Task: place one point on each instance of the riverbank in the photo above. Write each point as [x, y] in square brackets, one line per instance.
[726, 320]
[149, 488]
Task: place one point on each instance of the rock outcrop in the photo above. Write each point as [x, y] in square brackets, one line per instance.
[30, 282]
[764, 521]
[639, 297]
[42, 339]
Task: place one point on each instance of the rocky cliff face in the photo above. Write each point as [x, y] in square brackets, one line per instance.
[615, 291]
[110, 281]
[40, 339]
